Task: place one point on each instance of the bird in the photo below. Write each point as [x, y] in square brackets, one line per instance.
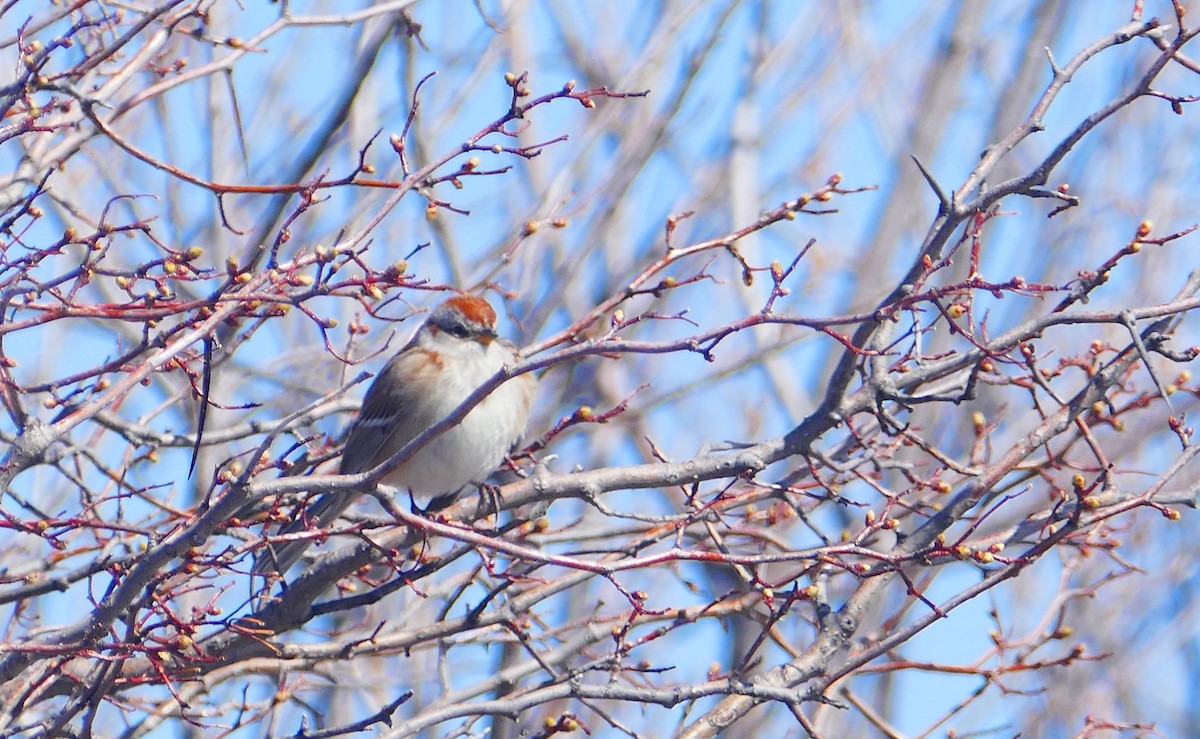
[451, 354]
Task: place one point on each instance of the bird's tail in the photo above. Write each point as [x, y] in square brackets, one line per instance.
[281, 556]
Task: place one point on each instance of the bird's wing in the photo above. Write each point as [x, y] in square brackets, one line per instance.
[385, 423]
[387, 419]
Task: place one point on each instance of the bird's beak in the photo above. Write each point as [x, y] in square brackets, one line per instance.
[487, 337]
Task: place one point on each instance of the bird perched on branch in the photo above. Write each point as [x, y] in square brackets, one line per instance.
[454, 352]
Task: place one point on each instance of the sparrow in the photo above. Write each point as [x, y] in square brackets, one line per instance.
[452, 353]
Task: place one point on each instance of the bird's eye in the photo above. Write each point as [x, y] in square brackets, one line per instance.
[460, 331]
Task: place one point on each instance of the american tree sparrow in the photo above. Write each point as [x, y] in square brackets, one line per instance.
[454, 352]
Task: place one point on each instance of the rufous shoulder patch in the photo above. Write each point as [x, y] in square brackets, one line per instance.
[433, 360]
